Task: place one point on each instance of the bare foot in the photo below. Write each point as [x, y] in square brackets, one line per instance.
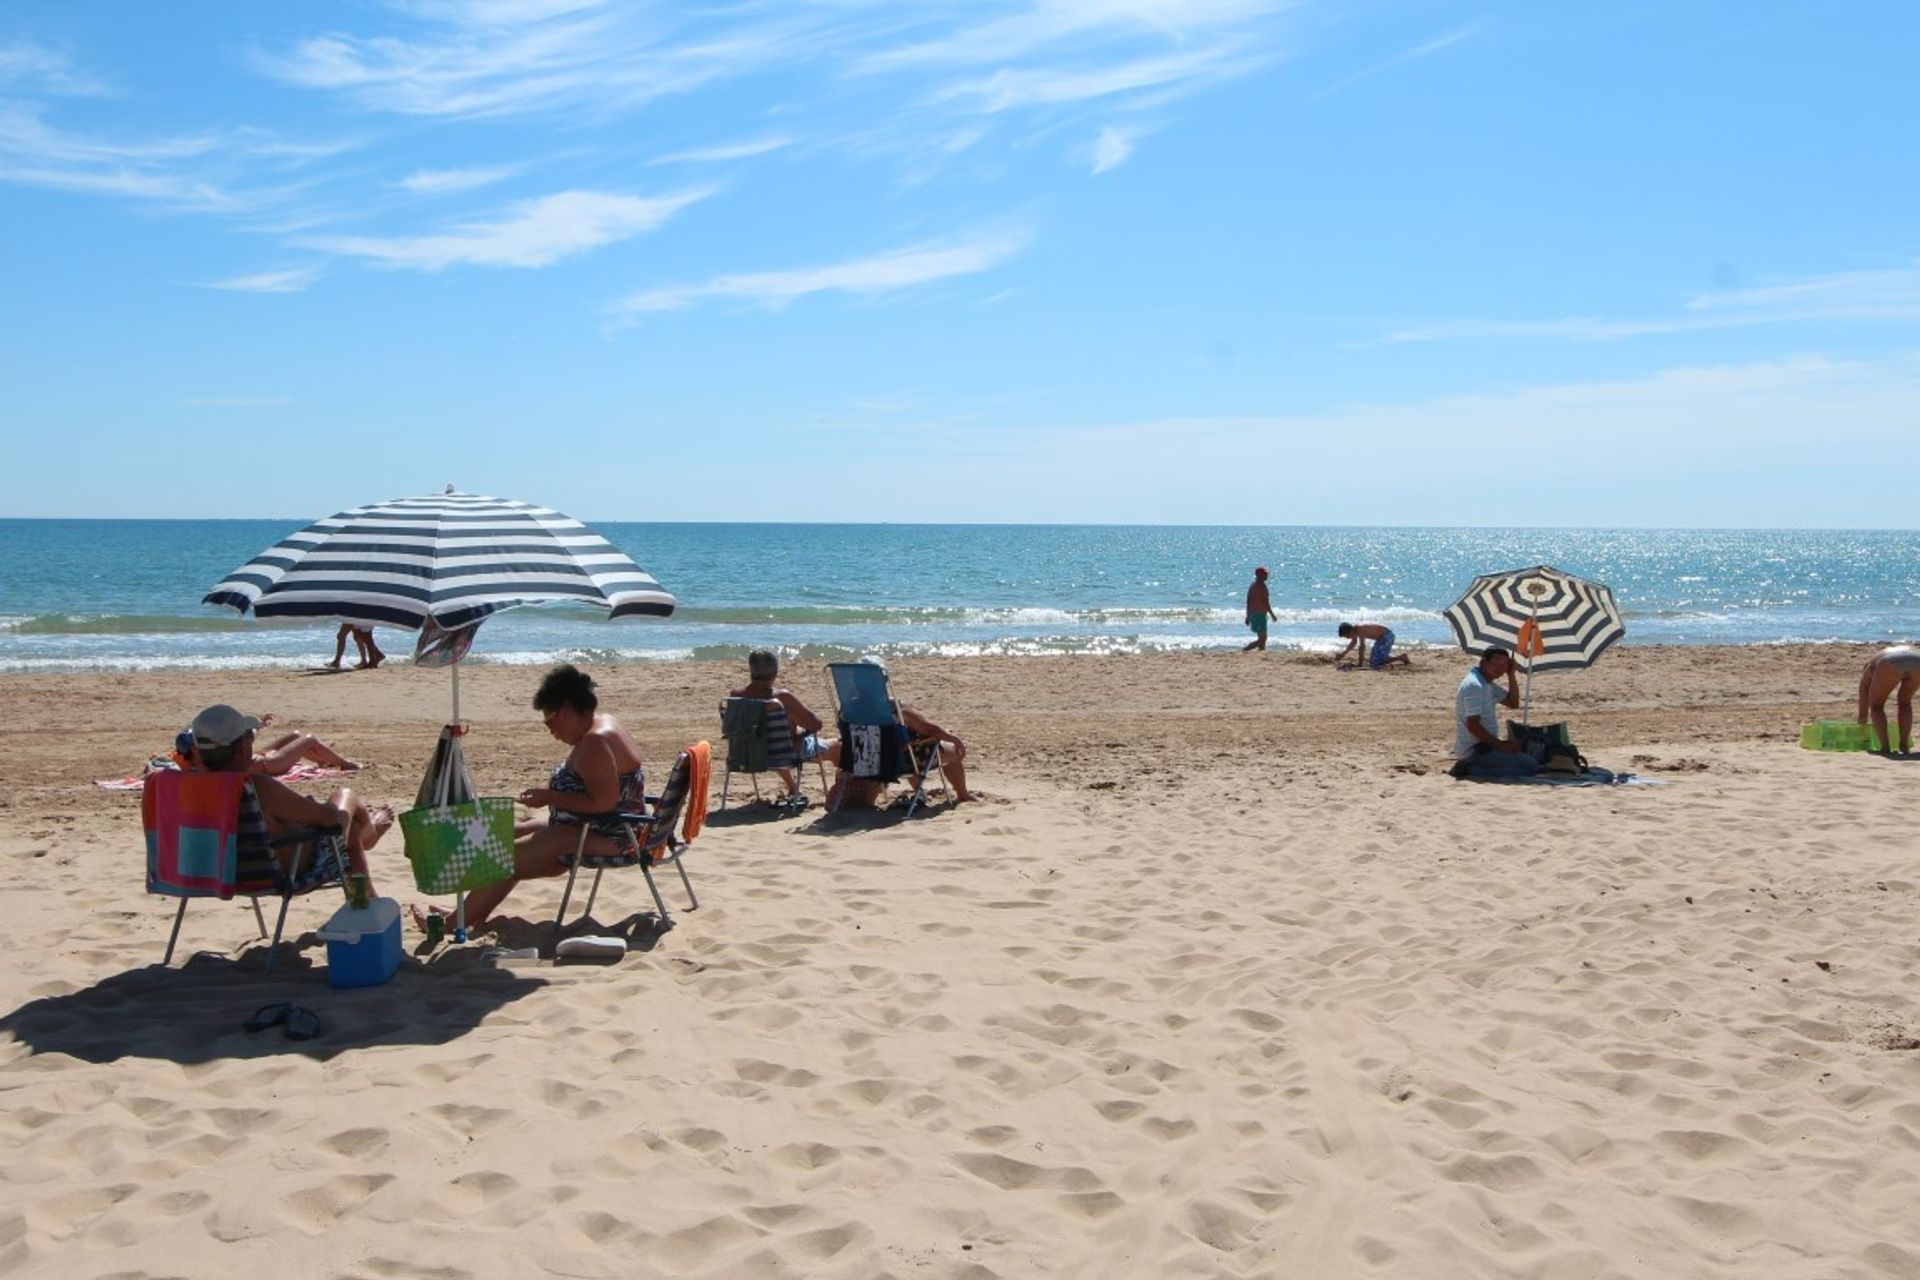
[383, 820]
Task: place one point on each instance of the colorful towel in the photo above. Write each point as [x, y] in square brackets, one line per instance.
[192, 822]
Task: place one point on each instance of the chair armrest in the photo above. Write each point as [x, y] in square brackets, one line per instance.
[300, 835]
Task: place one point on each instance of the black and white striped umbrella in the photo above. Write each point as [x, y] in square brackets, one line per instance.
[1577, 619]
[455, 558]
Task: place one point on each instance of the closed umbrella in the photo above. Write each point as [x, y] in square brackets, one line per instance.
[1553, 620]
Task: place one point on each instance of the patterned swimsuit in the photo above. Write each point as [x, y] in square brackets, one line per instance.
[633, 795]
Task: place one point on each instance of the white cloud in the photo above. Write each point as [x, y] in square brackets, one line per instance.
[1387, 64]
[485, 60]
[882, 273]
[434, 182]
[1864, 296]
[30, 67]
[291, 281]
[535, 233]
[725, 153]
[206, 172]
[1050, 23]
[1111, 149]
[1008, 89]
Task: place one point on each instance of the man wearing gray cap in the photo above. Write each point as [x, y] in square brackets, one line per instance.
[223, 743]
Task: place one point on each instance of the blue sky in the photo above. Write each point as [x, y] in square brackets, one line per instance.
[1134, 261]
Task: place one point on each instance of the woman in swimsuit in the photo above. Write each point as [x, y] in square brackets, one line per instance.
[1894, 673]
[600, 776]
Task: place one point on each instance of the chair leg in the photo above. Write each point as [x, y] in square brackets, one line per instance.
[573, 870]
[173, 937]
[726, 784]
[693, 903]
[286, 900]
[258, 918]
[593, 891]
[659, 903]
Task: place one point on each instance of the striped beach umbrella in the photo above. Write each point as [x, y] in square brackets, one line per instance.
[452, 558]
[1552, 621]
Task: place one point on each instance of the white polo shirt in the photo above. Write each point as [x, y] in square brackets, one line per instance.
[1478, 696]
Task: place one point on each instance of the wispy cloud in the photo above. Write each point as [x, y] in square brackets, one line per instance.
[725, 153]
[879, 274]
[1050, 24]
[1111, 149]
[34, 68]
[1009, 89]
[208, 172]
[1399, 59]
[534, 233]
[498, 59]
[1864, 296]
[435, 182]
[290, 281]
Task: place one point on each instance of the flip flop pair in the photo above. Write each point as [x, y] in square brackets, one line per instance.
[298, 1021]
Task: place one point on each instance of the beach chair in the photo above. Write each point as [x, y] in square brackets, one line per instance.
[206, 838]
[759, 738]
[875, 743]
[650, 837]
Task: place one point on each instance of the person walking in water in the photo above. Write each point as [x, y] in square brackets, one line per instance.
[1259, 609]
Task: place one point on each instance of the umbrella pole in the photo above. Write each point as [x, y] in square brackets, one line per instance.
[1526, 698]
[459, 899]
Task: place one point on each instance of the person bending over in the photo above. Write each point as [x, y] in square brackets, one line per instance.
[763, 668]
[1478, 749]
[1894, 673]
[1360, 634]
[600, 776]
[223, 743]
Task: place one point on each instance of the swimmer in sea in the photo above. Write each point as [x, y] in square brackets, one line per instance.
[1893, 672]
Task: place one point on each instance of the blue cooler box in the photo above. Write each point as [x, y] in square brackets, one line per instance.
[363, 944]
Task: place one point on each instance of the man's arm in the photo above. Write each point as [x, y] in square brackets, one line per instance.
[802, 720]
[1349, 649]
[1513, 690]
[921, 727]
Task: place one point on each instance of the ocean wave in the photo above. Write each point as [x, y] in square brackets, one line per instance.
[82, 624]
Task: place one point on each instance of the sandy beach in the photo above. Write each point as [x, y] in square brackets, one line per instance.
[1222, 977]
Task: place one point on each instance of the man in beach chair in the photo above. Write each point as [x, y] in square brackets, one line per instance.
[769, 728]
[883, 741]
[216, 829]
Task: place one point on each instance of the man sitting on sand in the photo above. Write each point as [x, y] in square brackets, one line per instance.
[1895, 673]
[223, 743]
[1361, 634]
[763, 668]
[1478, 749]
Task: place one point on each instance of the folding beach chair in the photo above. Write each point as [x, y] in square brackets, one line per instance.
[206, 838]
[759, 739]
[649, 837]
[875, 743]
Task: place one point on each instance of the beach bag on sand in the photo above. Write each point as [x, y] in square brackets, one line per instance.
[456, 848]
[1551, 745]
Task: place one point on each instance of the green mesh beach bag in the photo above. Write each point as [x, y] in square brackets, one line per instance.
[455, 848]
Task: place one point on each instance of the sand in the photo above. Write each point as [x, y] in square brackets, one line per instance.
[1223, 977]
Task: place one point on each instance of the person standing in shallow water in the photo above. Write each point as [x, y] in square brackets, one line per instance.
[1259, 610]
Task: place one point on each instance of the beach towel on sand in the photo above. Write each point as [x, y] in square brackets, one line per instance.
[302, 772]
[1591, 776]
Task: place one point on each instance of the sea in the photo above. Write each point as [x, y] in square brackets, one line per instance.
[124, 595]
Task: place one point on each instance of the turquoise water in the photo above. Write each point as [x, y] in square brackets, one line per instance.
[124, 594]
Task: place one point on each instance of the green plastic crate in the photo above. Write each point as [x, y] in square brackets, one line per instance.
[1838, 735]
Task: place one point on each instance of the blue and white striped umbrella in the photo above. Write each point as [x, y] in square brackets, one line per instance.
[454, 558]
[1576, 619]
